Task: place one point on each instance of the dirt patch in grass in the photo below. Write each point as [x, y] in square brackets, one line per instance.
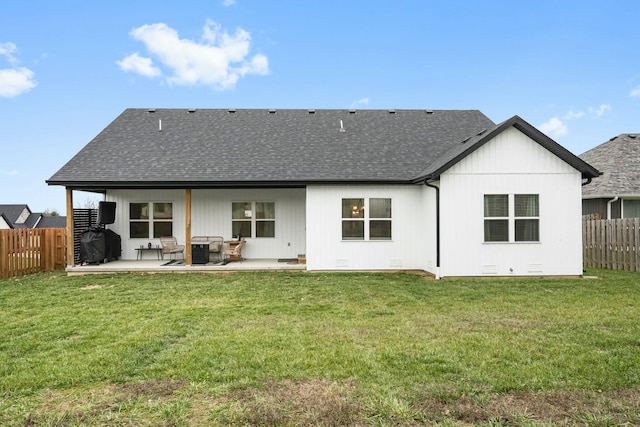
[105, 405]
[308, 402]
[323, 402]
[565, 407]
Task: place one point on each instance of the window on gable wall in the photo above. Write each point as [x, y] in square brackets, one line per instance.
[366, 222]
[253, 219]
[511, 218]
[150, 219]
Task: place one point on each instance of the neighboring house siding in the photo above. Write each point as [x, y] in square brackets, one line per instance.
[511, 163]
[601, 207]
[413, 240]
[211, 216]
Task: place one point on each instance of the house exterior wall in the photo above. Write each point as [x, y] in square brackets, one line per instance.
[211, 216]
[413, 230]
[511, 163]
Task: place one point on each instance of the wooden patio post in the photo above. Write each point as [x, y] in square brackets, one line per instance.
[188, 225]
[70, 254]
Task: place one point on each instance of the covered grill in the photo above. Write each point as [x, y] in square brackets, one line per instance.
[98, 245]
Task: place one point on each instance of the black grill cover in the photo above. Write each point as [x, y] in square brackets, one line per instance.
[99, 245]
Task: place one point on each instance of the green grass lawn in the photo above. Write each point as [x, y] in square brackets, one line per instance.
[319, 349]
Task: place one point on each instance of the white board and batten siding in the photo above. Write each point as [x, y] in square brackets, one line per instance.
[211, 216]
[413, 229]
[511, 163]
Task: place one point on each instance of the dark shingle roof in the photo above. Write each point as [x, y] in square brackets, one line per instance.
[619, 161]
[145, 148]
[12, 214]
[52, 222]
[219, 147]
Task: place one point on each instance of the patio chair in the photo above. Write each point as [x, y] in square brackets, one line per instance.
[234, 252]
[216, 245]
[170, 246]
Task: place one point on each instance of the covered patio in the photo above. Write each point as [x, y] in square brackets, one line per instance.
[164, 266]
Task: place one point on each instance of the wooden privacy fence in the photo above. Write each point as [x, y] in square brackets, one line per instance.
[31, 250]
[611, 243]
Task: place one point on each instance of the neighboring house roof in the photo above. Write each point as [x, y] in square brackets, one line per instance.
[52, 222]
[619, 161]
[16, 215]
[165, 148]
[20, 216]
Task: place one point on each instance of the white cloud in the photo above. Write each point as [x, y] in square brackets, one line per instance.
[635, 91]
[137, 64]
[219, 60]
[228, 2]
[554, 127]
[16, 80]
[6, 50]
[557, 126]
[598, 112]
[573, 115]
[362, 102]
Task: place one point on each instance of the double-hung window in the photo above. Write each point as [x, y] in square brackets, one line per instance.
[511, 218]
[150, 219]
[253, 219]
[366, 222]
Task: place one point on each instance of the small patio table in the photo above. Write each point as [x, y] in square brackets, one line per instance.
[141, 250]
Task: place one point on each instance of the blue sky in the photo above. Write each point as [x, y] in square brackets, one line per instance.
[68, 68]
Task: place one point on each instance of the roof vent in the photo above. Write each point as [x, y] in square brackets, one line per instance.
[342, 129]
[191, 110]
[312, 111]
[429, 111]
[613, 138]
[465, 140]
[632, 135]
[272, 111]
[352, 111]
[392, 111]
[231, 110]
[481, 132]
[159, 125]
[151, 110]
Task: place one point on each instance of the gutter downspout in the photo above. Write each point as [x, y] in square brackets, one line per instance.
[609, 203]
[426, 182]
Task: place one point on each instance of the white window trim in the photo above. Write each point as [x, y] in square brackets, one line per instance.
[151, 220]
[367, 220]
[255, 220]
[512, 220]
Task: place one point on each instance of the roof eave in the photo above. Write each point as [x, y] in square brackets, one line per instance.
[142, 185]
[587, 171]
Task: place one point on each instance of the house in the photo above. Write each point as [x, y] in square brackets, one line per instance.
[20, 216]
[615, 194]
[444, 191]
